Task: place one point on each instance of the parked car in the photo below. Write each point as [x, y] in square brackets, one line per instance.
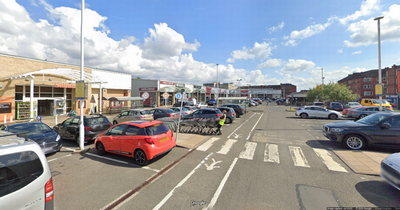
[191, 108]
[238, 109]
[351, 105]
[381, 128]
[345, 111]
[142, 140]
[47, 138]
[94, 125]
[160, 113]
[317, 112]
[375, 102]
[394, 105]
[211, 102]
[132, 115]
[320, 104]
[390, 170]
[335, 106]
[204, 113]
[201, 105]
[25, 177]
[178, 104]
[362, 112]
[230, 114]
[185, 111]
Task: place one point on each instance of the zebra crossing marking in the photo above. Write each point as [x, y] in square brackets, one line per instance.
[271, 153]
[328, 160]
[298, 157]
[227, 146]
[204, 147]
[248, 151]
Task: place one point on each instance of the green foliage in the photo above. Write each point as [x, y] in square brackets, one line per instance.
[138, 78]
[331, 92]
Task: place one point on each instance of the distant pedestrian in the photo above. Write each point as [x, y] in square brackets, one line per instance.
[72, 113]
[221, 122]
[154, 105]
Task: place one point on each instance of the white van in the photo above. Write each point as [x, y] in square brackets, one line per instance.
[25, 176]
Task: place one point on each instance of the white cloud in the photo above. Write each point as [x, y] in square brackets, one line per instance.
[356, 52]
[340, 50]
[259, 51]
[365, 33]
[270, 63]
[307, 32]
[275, 28]
[297, 65]
[33, 3]
[367, 8]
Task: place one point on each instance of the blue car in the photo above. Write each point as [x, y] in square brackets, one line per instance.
[211, 102]
[335, 106]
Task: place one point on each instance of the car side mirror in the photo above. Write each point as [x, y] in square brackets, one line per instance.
[385, 126]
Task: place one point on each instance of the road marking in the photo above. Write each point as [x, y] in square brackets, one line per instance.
[207, 144]
[70, 149]
[328, 160]
[227, 146]
[248, 151]
[237, 135]
[212, 165]
[254, 127]
[221, 185]
[241, 125]
[162, 202]
[271, 153]
[298, 157]
[59, 158]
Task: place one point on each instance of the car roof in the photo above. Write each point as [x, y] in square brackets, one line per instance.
[92, 116]
[142, 124]
[11, 139]
[134, 110]
[25, 123]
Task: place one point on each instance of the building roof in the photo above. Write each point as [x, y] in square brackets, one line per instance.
[356, 75]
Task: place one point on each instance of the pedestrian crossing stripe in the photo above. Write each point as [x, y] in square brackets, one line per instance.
[207, 144]
[271, 153]
[328, 160]
[298, 157]
[248, 151]
[227, 146]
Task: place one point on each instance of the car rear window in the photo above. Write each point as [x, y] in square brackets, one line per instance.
[96, 121]
[169, 111]
[156, 129]
[144, 112]
[17, 170]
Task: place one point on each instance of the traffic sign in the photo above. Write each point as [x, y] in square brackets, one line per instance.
[178, 95]
[92, 100]
[145, 95]
[166, 95]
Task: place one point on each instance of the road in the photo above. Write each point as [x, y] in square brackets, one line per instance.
[267, 159]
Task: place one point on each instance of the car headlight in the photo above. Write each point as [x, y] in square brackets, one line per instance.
[336, 129]
[58, 138]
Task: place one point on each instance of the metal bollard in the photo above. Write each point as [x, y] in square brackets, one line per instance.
[5, 119]
[56, 119]
[11, 119]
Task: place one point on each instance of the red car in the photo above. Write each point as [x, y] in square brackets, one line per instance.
[142, 140]
[346, 110]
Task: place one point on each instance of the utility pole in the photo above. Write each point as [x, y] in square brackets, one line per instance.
[217, 85]
[322, 76]
[379, 58]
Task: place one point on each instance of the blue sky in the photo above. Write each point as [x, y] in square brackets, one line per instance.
[261, 42]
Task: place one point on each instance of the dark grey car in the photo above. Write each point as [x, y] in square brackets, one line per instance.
[238, 109]
[379, 129]
[204, 113]
[160, 113]
[362, 112]
[230, 114]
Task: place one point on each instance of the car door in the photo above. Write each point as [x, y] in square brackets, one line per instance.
[133, 115]
[310, 111]
[111, 139]
[321, 112]
[73, 128]
[155, 114]
[390, 135]
[62, 129]
[130, 140]
[123, 117]
[197, 114]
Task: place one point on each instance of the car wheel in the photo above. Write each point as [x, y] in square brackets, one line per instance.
[362, 116]
[228, 120]
[354, 142]
[333, 117]
[100, 148]
[115, 122]
[304, 115]
[77, 138]
[140, 157]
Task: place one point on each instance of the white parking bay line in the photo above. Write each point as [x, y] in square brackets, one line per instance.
[59, 158]
[271, 153]
[328, 160]
[298, 157]
[248, 151]
[254, 127]
[207, 144]
[227, 146]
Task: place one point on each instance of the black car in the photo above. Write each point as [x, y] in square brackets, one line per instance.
[178, 104]
[94, 125]
[160, 113]
[230, 114]
[379, 129]
[41, 133]
[204, 113]
[238, 109]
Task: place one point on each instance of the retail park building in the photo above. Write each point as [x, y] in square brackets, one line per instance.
[53, 89]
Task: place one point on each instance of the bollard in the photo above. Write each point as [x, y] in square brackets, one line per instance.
[56, 119]
[5, 119]
[11, 119]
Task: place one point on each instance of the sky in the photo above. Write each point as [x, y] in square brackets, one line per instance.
[259, 42]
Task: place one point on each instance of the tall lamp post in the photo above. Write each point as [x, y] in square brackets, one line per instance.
[248, 93]
[239, 80]
[217, 85]
[379, 60]
[322, 77]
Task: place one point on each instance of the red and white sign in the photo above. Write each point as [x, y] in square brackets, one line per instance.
[145, 95]
[92, 100]
[165, 95]
[58, 85]
[148, 89]
[244, 91]
[167, 83]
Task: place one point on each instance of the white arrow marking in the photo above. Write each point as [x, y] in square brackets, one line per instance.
[237, 135]
[213, 165]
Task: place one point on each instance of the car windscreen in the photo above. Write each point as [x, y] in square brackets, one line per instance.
[96, 121]
[185, 109]
[375, 101]
[35, 128]
[169, 111]
[144, 112]
[373, 119]
[156, 129]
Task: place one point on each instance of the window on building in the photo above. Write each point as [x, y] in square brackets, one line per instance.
[368, 86]
[368, 93]
[368, 79]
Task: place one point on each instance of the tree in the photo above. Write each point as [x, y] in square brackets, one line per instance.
[138, 78]
[331, 92]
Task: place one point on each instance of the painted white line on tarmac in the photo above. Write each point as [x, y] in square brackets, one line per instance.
[241, 125]
[298, 157]
[207, 144]
[120, 161]
[328, 160]
[221, 185]
[59, 158]
[227, 146]
[254, 127]
[271, 153]
[162, 202]
[70, 149]
[248, 151]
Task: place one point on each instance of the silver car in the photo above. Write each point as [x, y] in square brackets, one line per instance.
[390, 170]
[362, 112]
[317, 112]
[133, 115]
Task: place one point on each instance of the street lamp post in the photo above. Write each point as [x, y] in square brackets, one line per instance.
[379, 59]
[239, 80]
[248, 93]
[217, 85]
[322, 77]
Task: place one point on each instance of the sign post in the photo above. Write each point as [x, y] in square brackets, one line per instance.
[180, 111]
[166, 95]
[93, 101]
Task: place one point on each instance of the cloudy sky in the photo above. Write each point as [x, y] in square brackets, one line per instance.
[261, 42]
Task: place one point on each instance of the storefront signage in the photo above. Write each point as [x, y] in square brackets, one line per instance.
[179, 85]
[166, 95]
[148, 89]
[244, 91]
[58, 85]
[167, 83]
